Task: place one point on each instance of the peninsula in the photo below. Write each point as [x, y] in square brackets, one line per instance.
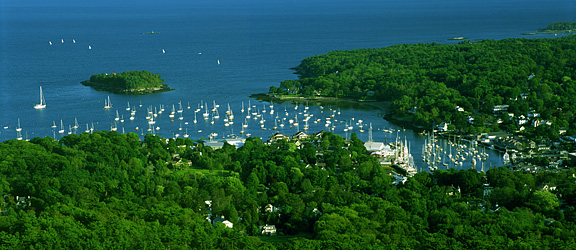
[475, 87]
[560, 27]
[128, 82]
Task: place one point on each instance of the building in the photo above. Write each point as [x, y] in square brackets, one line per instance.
[221, 219]
[268, 229]
[278, 137]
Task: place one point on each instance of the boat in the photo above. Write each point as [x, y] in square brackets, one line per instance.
[76, 124]
[18, 129]
[89, 47]
[61, 131]
[206, 115]
[42, 103]
[107, 103]
[180, 110]
[53, 124]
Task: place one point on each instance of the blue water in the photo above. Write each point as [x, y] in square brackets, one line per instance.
[256, 43]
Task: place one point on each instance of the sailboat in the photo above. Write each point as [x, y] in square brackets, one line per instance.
[42, 103]
[107, 103]
[61, 131]
[19, 131]
[76, 124]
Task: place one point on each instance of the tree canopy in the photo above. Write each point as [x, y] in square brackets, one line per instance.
[127, 82]
[432, 80]
[112, 191]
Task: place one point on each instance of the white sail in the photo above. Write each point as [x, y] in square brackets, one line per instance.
[107, 103]
[42, 103]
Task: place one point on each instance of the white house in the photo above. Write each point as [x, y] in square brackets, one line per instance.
[268, 229]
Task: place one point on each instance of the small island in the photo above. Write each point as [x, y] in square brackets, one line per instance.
[128, 82]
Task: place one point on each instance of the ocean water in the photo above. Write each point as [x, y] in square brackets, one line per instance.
[220, 51]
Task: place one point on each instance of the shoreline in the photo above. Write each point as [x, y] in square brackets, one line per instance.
[104, 87]
[380, 105]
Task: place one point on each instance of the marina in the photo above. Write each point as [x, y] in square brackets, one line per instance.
[261, 119]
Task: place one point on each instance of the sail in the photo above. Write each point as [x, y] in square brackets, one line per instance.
[42, 103]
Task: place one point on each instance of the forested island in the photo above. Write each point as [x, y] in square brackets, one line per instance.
[476, 87]
[113, 191]
[128, 82]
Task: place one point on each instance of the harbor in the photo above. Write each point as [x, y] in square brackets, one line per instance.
[214, 120]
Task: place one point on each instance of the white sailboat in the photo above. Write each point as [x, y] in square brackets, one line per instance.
[76, 124]
[61, 131]
[107, 103]
[42, 103]
[18, 129]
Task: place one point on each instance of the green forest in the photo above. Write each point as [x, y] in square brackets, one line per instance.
[114, 191]
[427, 82]
[127, 81]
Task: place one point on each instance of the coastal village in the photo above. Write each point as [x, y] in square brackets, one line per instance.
[519, 152]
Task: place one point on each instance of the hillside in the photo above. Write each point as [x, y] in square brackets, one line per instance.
[112, 191]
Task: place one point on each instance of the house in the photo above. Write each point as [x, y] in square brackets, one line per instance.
[271, 208]
[319, 134]
[500, 108]
[547, 187]
[221, 219]
[268, 229]
[373, 146]
[300, 136]
[278, 137]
